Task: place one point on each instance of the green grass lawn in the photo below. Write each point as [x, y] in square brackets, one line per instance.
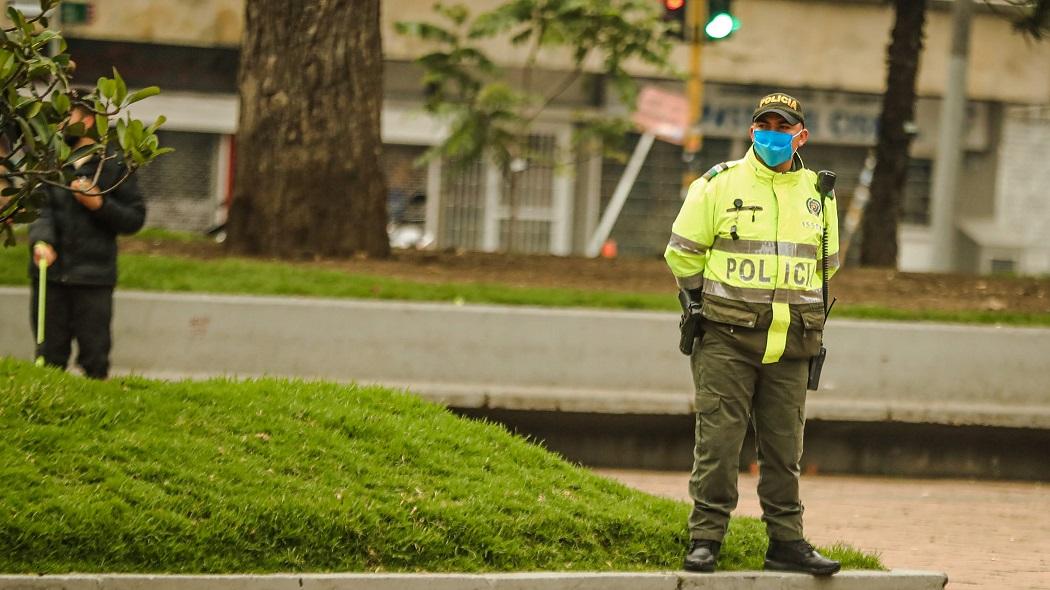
[256, 277]
[134, 475]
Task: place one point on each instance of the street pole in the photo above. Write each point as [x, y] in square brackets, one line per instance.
[950, 137]
[695, 16]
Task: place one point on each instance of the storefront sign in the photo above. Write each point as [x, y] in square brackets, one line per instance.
[835, 117]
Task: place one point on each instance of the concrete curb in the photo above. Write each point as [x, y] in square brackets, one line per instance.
[849, 580]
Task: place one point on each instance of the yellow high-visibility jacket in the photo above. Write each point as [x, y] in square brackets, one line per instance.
[751, 238]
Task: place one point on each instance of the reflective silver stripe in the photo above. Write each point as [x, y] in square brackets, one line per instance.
[760, 247]
[716, 170]
[693, 282]
[797, 250]
[751, 295]
[792, 296]
[686, 245]
[745, 246]
[833, 261]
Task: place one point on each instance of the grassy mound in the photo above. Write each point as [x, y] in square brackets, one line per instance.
[134, 475]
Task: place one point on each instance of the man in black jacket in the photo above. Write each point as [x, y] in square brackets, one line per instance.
[77, 234]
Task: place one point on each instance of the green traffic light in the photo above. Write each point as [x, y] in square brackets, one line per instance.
[721, 25]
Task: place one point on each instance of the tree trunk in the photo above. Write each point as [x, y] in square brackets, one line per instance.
[879, 244]
[309, 181]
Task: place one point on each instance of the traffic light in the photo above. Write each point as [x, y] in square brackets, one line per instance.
[721, 23]
[674, 16]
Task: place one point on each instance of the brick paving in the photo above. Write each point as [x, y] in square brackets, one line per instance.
[914, 524]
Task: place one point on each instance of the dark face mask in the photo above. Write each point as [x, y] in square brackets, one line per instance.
[71, 140]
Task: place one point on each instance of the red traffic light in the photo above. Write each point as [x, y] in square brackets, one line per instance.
[673, 4]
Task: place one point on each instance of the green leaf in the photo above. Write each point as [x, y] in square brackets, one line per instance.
[136, 155]
[161, 119]
[457, 13]
[106, 87]
[34, 109]
[102, 124]
[122, 134]
[426, 32]
[16, 16]
[135, 131]
[121, 90]
[143, 93]
[7, 63]
[521, 37]
[44, 131]
[44, 37]
[60, 101]
[83, 151]
[27, 134]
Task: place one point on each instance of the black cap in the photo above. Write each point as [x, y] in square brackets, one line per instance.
[782, 104]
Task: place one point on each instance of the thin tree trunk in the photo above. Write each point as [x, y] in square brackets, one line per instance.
[309, 180]
[879, 244]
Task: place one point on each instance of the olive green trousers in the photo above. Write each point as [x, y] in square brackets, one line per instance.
[734, 388]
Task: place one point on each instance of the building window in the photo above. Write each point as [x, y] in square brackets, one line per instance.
[179, 187]
[462, 205]
[478, 213]
[915, 202]
[1003, 266]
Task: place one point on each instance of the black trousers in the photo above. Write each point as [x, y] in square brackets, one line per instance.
[76, 312]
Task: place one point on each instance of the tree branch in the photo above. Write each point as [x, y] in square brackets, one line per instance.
[561, 88]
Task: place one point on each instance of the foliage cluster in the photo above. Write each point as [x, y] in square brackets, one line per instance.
[36, 112]
[491, 115]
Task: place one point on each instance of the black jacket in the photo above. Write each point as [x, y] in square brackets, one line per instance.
[85, 240]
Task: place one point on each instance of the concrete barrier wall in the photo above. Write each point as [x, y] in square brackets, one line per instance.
[557, 359]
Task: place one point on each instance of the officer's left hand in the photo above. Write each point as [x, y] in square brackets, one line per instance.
[80, 187]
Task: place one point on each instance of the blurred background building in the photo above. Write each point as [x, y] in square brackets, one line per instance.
[830, 54]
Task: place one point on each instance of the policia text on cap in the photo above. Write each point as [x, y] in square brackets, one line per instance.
[751, 250]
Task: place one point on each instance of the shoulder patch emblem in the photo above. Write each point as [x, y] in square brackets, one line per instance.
[813, 205]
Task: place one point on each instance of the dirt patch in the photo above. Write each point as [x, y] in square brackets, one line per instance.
[852, 286]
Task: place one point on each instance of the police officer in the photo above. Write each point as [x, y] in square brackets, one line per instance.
[747, 243]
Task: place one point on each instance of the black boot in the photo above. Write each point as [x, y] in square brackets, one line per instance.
[702, 556]
[798, 556]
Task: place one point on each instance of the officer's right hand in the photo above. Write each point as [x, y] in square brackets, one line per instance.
[43, 251]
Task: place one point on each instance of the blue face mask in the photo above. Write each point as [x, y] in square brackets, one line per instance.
[774, 147]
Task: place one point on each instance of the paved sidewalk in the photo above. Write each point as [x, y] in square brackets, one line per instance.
[915, 524]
